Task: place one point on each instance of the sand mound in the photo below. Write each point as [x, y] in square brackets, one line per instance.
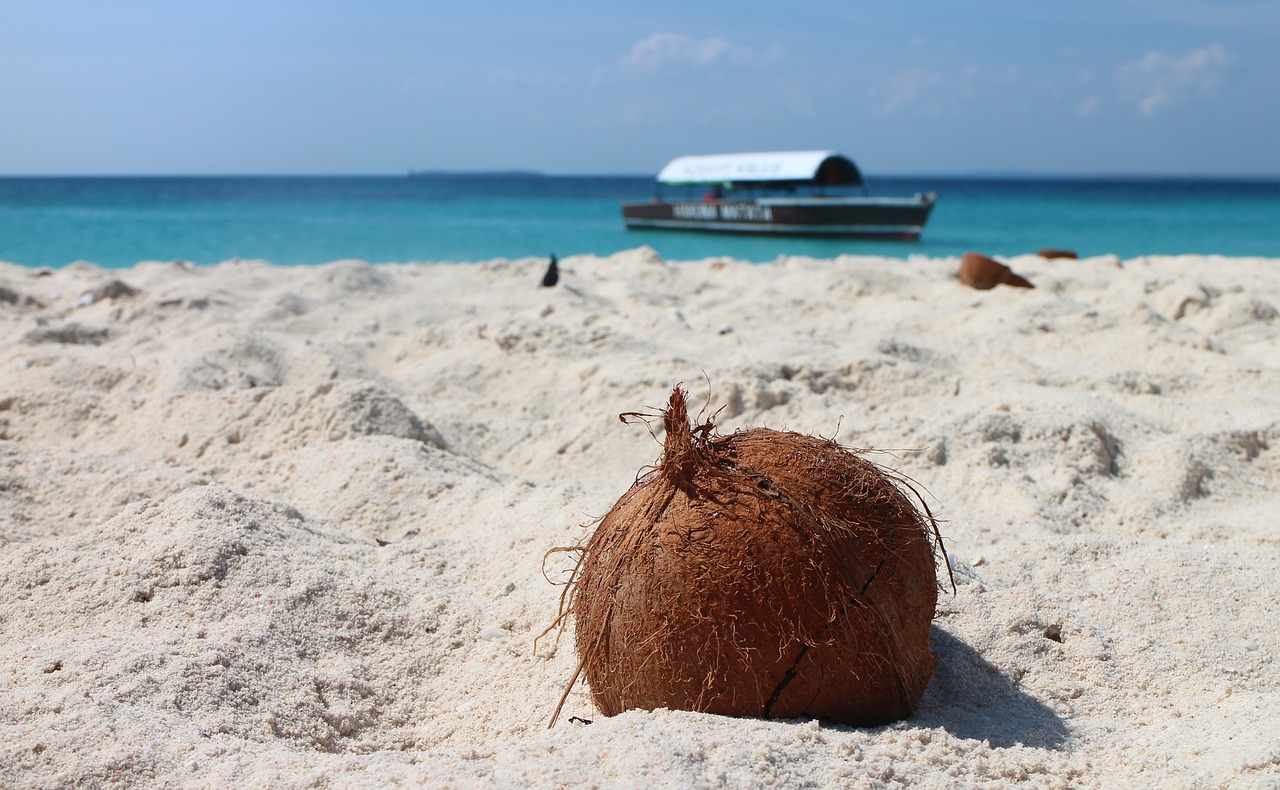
[220, 615]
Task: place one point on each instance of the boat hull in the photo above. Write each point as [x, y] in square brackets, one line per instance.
[883, 218]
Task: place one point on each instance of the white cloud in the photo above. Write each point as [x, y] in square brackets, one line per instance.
[923, 91]
[676, 50]
[1158, 81]
[1087, 107]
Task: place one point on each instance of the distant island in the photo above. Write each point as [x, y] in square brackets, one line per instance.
[476, 173]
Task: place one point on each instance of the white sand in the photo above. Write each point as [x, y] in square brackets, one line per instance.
[285, 527]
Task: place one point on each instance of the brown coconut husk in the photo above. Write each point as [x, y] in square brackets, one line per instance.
[764, 573]
[982, 273]
[1050, 253]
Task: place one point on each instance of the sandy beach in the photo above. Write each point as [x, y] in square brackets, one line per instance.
[288, 526]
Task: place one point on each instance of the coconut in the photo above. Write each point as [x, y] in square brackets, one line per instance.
[764, 573]
[982, 273]
[1050, 253]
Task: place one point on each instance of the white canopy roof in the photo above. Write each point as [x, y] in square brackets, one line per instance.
[775, 166]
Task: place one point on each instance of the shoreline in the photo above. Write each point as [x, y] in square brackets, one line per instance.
[288, 524]
[643, 250]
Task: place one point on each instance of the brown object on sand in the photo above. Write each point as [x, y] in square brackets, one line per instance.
[1050, 254]
[764, 573]
[983, 273]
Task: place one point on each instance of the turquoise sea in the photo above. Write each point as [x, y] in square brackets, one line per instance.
[118, 221]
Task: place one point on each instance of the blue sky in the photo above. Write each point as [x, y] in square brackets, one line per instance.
[383, 86]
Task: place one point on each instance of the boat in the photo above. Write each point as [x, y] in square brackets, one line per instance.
[800, 193]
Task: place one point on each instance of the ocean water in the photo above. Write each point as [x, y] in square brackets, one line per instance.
[118, 221]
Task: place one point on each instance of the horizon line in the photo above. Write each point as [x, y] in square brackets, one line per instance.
[524, 172]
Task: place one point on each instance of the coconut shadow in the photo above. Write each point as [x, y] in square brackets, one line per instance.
[969, 698]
